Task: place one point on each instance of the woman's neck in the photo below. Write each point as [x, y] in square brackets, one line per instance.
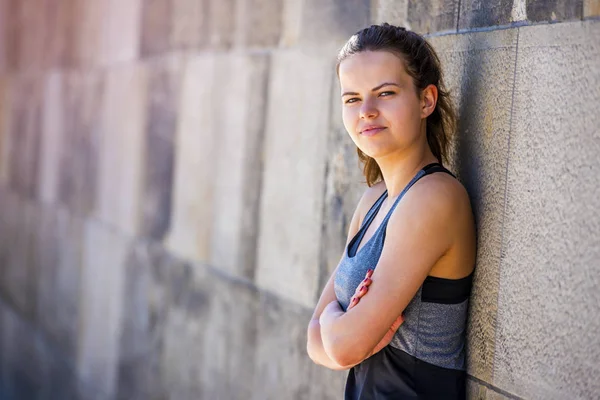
[399, 168]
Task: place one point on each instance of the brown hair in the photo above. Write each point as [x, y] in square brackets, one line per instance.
[423, 65]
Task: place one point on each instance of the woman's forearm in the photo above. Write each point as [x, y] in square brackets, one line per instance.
[316, 351]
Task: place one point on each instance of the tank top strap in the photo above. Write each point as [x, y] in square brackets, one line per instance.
[374, 209]
[426, 170]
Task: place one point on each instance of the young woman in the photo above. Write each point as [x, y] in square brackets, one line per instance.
[394, 311]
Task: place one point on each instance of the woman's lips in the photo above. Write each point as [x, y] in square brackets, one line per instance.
[372, 131]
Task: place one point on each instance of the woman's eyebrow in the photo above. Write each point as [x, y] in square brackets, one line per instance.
[376, 88]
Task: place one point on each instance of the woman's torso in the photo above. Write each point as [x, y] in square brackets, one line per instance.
[426, 356]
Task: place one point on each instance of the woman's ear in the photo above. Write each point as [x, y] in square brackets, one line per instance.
[429, 97]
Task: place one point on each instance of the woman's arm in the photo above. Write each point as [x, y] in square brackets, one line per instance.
[419, 233]
[314, 345]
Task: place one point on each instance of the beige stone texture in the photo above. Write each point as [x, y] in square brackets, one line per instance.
[293, 181]
[60, 35]
[164, 82]
[591, 8]
[429, 16]
[156, 21]
[58, 241]
[328, 25]
[19, 218]
[80, 121]
[221, 22]
[196, 138]
[219, 142]
[23, 134]
[51, 138]
[393, 12]
[121, 148]
[4, 130]
[547, 344]
[107, 32]
[475, 391]
[4, 30]
[149, 289]
[282, 367]
[24, 374]
[259, 23]
[27, 32]
[190, 24]
[202, 356]
[101, 306]
[473, 65]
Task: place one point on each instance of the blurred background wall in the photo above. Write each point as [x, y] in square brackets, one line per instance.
[176, 184]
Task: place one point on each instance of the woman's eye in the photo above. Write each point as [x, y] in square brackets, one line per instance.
[388, 93]
[352, 100]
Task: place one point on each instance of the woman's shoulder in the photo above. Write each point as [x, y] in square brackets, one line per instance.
[439, 196]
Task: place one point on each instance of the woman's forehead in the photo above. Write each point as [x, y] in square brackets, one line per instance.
[369, 66]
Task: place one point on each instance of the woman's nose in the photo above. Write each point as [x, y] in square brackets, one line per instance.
[368, 110]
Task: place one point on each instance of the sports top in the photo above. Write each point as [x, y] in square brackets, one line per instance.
[426, 357]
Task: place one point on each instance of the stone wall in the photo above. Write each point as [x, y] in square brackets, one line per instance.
[176, 184]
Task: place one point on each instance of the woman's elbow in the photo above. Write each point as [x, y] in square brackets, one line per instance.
[344, 355]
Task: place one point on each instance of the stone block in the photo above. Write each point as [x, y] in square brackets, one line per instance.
[203, 356]
[120, 34]
[27, 35]
[479, 72]
[162, 107]
[344, 186]
[51, 137]
[23, 374]
[431, 16]
[476, 13]
[107, 32]
[219, 145]
[81, 124]
[393, 12]
[156, 22]
[475, 391]
[294, 169]
[591, 8]
[282, 367]
[148, 286]
[101, 306]
[121, 150]
[547, 344]
[19, 219]
[4, 30]
[23, 134]
[60, 379]
[332, 23]
[554, 10]
[4, 130]
[259, 23]
[58, 262]
[61, 33]
[221, 23]
[190, 24]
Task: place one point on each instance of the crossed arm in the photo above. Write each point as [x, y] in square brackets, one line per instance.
[418, 234]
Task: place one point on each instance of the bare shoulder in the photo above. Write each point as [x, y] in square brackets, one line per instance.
[440, 192]
[438, 201]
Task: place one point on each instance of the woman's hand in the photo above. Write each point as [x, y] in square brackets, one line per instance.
[360, 292]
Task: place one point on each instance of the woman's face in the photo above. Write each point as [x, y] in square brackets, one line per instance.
[380, 107]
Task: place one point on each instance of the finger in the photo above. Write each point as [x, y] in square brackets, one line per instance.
[353, 302]
[369, 273]
[366, 281]
[360, 291]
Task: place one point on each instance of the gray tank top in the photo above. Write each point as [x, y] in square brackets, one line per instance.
[435, 319]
